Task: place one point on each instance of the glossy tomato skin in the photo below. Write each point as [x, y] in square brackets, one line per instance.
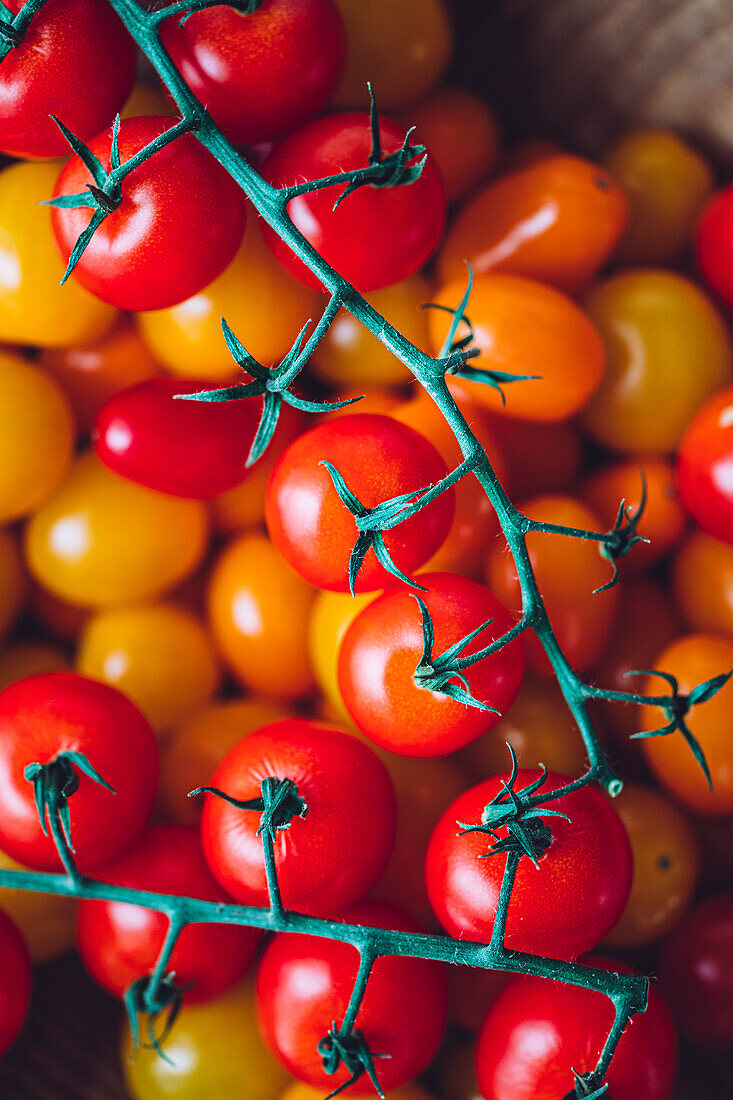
[378, 459]
[183, 448]
[304, 984]
[384, 646]
[705, 467]
[714, 244]
[537, 1032]
[323, 862]
[15, 982]
[562, 909]
[116, 950]
[55, 712]
[377, 236]
[263, 74]
[70, 45]
[180, 222]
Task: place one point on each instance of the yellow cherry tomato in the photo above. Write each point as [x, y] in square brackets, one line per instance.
[34, 308]
[258, 611]
[47, 921]
[349, 355]
[403, 49]
[159, 655]
[667, 183]
[191, 752]
[36, 436]
[702, 578]
[260, 302]
[214, 1052]
[145, 99]
[27, 659]
[665, 866]
[668, 351]
[331, 616]
[100, 540]
[12, 582]
[298, 1090]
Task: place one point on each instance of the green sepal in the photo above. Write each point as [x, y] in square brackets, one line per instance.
[227, 393]
[240, 355]
[278, 803]
[494, 378]
[353, 1051]
[271, 406]
[435, 673]
[168, 1004]
[384, 558]
[84, 153]
[114, 152]
[708, 689]
[55, 782]
[317, 406]
[345, 494]
[83, 240]
[72, 202]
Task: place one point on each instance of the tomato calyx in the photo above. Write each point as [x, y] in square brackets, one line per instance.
[585, 1088]
[435, 673]
[12, 31]
[153, 999]
[623, 535]
[279, 805]
[351, 1048]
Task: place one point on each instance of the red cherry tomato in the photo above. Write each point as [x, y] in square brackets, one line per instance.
[323, 862]
[383, 648]
[263, 74]
[714, 243]
[705, 467]
[180, 221]
[378, 235]
[56, 712]
[120, 943]
[561, 909]
[76, 61]
[304, 984]
[378, 459]
[696, 972]
[538, 1033]
[15, 982]
[184, 448]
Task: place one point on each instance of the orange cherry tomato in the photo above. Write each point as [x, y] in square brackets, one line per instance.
[702, 579]
[667, 183]
[28, 659]
[523, 327]
[668, 351]
[665, 866]
[192, 751]
[567, 570]
[461, 132]
[662, 522]
[693, 659]
[258, 611]
[331, 616]
[12, 582]
[557, 220]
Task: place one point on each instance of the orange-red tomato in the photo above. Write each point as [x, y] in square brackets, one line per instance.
[556, 220]
[12, 581]
[702, 580]
[29, 658]
[526, 328]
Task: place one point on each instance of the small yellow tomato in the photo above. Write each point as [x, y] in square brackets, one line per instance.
[101, 541]
[159, 655]
[12, 582]
[27, 659]
[145, 99]
[47, 921]
[34, 308]
[331, 616]
[702, 578]
[260, 302]
[36, 436]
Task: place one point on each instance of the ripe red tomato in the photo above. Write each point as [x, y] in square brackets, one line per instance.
[696, 972]
[184, 448]
[263, 74]
[538, 1033]
[77, 62]
[714, 243]
[325, 861]
[378, 459]
[180, 221]
[15, 982]
[42, 716]
[377, 236]
[383, 648]
[705, 467]
[120, 943]
[304, 984]
[560, 909]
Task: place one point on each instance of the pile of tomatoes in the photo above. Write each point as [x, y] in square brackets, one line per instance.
[183, 620]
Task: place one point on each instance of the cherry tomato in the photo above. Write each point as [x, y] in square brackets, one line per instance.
[298, 1090]
[179, 223]
[702, 578]
[322, 862]
[100, 540]
[694, 659]
[36, 437]
[258, 611]
[27, 658]
[539, 1033]
[159, 655]
[15, 982]
[705, 467]
[331, 616]
[12, 582]
[69, 45]
[378, 459]
[560, 909]
[525, 328]
[202, 1061]
[668, 351]
[57, 712]
[383, 648]
[146, 99]
[714, 244]
[263, 74]
[304, 984]
[377, 236]
[46, 921]
[696, 972]
[567, 571]
[557, 220]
